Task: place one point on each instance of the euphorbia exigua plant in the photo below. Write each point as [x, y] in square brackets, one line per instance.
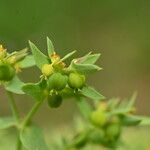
[58, 81]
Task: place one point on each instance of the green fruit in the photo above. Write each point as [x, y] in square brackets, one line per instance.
[113, 131]
[76, 80]
[57, 81]
[97, 136]
[7, 72]
[98, 118]
[54, 100]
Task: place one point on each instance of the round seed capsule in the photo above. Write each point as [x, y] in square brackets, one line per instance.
[54, 100]
[57, 81]
[98, 118]
[76, 80]
[7, 72]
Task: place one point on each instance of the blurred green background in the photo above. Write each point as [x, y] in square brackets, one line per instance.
[119, 30]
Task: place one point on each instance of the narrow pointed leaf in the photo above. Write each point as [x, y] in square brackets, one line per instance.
[145, 121]
[27, 62]
[15, 86]
[91, 59]
[130, 120]
[7, 122]
[50, 47]
[32, 138]
[67, 56]
[88, 59]
[91, 93]
[84, 68]
[131, 101]
[39, 57]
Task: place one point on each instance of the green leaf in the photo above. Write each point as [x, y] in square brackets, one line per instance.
[91, 93]
[145, 121]
[131, 101]
[7, 122]
[88, 59]
[15, 86]
[39, 57]
[32, 138]
[27, 62]
[35, 90]
[67, 56]
[50, 47]
[130, 120]
[84, 107]
[84, 68]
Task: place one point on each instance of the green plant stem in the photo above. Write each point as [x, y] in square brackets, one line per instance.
[16, 115]
[13, 106]
[19, 144]
[31, 113]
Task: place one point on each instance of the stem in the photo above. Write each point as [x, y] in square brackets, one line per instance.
[13, 105]
[31, 113]
[15, 113]
[19, 144]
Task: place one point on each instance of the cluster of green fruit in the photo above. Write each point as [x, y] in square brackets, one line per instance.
[57, 81]
[109, 126]
[106, 129]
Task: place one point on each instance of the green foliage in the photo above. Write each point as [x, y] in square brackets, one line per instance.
[27, 62]
[103, 121]
[50, 47]
[32, 138]
[15, 86]
[91, 93]
[39, 57]
[7, 122]
[36, 91]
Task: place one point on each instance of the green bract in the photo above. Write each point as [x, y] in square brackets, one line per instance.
[76, 80]
[57, 81]
[7, 72]
[54, 100]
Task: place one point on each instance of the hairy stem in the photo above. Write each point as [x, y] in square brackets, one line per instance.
[31, 113]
